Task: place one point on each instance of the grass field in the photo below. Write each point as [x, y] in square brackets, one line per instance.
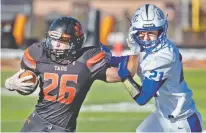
[15, 109]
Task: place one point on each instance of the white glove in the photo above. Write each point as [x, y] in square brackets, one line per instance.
[16, 83]
[134, 47]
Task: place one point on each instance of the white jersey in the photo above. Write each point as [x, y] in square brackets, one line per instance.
[173, 97]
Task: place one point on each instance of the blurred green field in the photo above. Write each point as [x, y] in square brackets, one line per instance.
[15, 109]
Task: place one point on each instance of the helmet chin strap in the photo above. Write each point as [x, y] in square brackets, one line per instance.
[62, 57]
[60, 61]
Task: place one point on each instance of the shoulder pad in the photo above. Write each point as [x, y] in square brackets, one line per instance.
[32, 54]
[36, 50]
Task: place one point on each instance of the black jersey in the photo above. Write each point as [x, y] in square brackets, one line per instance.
[63, 88]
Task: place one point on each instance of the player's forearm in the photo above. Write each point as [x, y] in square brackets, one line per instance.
[132, 87]
[137, 92]
[132, 64]
[112, 75]
[149, 89]
[142, 94]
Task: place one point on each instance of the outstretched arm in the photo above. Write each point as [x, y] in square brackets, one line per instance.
[141, 94]
[112, 73]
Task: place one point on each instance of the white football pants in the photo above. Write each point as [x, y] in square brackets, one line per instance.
[157, 123]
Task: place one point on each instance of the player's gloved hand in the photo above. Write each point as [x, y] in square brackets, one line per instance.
[134, 47]
[16, 83]
[107, 51]
[123, 72]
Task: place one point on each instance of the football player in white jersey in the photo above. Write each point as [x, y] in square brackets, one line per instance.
[160, 70]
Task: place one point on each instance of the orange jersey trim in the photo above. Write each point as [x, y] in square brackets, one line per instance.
[28, 60]
[95, 59]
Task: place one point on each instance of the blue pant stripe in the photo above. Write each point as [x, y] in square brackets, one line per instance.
[194, 123]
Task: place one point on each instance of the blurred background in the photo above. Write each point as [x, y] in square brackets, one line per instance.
[108, 107]
[26, 21]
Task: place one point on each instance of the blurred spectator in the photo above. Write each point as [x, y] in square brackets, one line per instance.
[7, 38]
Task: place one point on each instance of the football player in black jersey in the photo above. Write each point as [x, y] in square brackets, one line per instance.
[66, 71]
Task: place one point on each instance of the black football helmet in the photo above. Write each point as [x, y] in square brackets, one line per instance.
[69, 30]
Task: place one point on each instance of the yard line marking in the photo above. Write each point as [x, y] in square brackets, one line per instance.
[107, 107]
[118, 107]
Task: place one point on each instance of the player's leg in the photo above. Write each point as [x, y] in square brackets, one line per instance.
[31, 124]
[154, 123]
[35, 123]
[191, 124]
[195, 122]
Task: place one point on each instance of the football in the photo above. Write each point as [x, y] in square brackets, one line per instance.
[33, 80]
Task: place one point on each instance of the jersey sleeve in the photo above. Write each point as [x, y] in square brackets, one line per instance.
[157, 68]
[97, 64]
[148, 90]
[30, 57]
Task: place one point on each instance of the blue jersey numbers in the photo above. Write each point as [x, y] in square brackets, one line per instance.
[156, 75]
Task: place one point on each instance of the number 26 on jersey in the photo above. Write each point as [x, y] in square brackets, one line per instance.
[66, 93]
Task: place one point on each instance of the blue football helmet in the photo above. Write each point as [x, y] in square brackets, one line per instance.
[149, 18]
